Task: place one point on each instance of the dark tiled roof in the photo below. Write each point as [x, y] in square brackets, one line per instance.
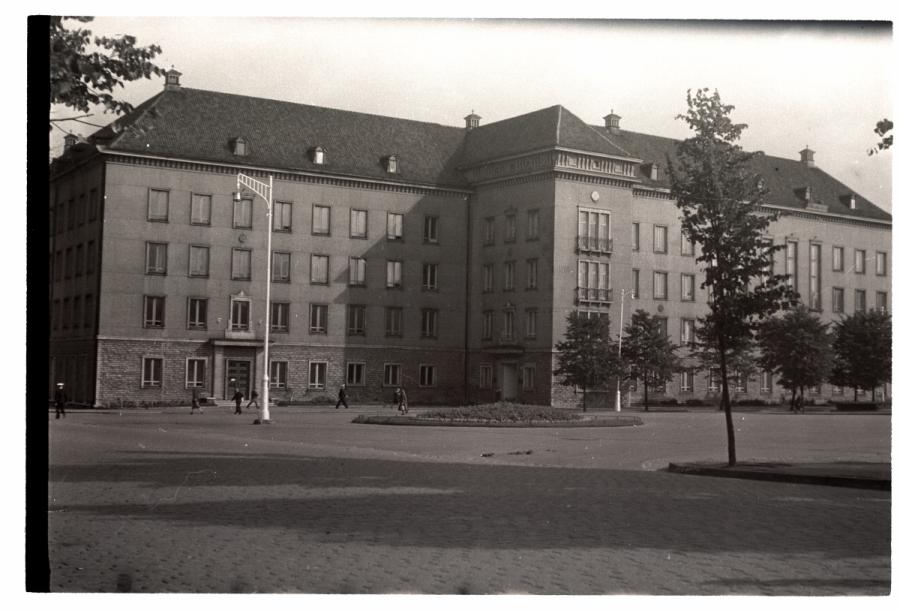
[786, 179]
[553, 126]
[202, 125]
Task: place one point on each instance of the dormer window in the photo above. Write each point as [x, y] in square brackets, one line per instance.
[317, 155]
[391, 164]
[240, 147]
[654, 172]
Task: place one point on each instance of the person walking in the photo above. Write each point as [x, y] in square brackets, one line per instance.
[253, 396]
[60, 399]
[404, 402]
[342, 397]
[238, 398]
[195, 402]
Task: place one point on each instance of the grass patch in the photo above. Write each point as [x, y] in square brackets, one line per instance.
[500, 412]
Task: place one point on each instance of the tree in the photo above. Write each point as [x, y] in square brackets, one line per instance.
[797, 348]
[882, 129]
[647, 353]
[587, 357]
[81, 78]
[720, 203]
[862, 347]
[741, 356]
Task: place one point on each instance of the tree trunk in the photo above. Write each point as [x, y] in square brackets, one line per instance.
[793, 400]
[646, 392]
[584, 399]
[726, 403]
[800, 406]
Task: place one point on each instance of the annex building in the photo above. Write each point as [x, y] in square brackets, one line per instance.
[445, 259]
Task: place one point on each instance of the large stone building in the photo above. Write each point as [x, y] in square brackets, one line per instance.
[442, 258]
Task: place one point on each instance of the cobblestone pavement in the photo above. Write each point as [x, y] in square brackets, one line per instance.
[151, 502]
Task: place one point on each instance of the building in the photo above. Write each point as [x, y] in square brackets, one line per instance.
[445, 259]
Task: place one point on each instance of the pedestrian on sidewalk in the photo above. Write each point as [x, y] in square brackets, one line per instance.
[404, 402]
[60, 399]
[253, 396]
[342, 397]
[195, 402]
[238, 398]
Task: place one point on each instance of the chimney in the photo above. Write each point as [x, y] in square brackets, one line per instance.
[472, 121]
[172, 82]
[806, 157]
[69, 141]
[612, 122]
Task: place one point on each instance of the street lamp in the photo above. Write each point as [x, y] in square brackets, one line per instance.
[621, 318]
[265, 192]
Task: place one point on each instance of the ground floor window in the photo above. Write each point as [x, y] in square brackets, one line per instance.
[714, 382]
[528, 377]
[317, 372]
[765, 383]
[356, 373]
[485, 376]
[151, 375]
[426, 375]
[687, 381]
[196, 373]
[391, 374]
[278, 374]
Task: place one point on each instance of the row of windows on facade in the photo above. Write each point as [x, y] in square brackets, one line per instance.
[283, 215]
[74, 261]
[75, 212]
[197, 374]
[687, 384]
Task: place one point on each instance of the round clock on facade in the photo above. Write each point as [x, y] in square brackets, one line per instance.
[595, 196]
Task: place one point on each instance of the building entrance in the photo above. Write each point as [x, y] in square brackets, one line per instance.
[509, 382]
[239, 370]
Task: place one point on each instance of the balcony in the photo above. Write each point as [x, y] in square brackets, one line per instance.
[592, 296]
[239, 333]
[596, 245]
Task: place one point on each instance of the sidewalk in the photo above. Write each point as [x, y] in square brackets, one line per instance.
[860, 475]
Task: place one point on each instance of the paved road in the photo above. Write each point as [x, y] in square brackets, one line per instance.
[166, 501]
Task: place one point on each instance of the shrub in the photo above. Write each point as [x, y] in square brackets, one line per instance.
[500, 412]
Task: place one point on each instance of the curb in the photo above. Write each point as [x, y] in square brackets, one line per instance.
[783, 477]
[399, 420]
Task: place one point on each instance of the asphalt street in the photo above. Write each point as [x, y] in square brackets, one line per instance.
[167, 501]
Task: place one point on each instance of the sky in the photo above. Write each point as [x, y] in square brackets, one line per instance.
[794, 83]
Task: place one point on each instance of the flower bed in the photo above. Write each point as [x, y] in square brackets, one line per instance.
[501, 412]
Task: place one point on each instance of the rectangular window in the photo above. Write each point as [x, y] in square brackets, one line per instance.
[90, 257]
[200, 209]
[880, 263]
[881, 301]
[429, 323]
[76, 311]
[195, 375]
[356, 320]
[321, 220]
[714, 381]
[88, 310]
[356, 373]
[593, 282]
[837, 258]
[509, 275]
[79, 260]
[660, 285]
[359, 224]
[636, 236]
[534, 227]
[426, 375]
[530, 323]
[431, 229]
[318, 319]
[154, 312]
[317, 373]
[859, 261]
[66, 312]
[791, 264]
[509, 325]
[151, 373]
[688, 330]
[198, 261]
[391, 375]
[815, 277]
[488, 231]
[510, 234]
[859, 302]
[487, 278]
[765, 382]
[93, 205]
[687, 381]
[393, 322]
[636, 283]
[240, 315]
[158, 206]
[240, 264]
[687, 286]
[278, 374]
[593, 231]
[531, 274]
[282, 214]
[82, 209]
[662, 326]
[242, 214]
[70, 263]
[281, 267]
[280, 317]
[394, 274]
[487, 325]
[485, 376]
[837, 300]
[196, 313]
[318, 269]
[429, 276]
[528, 377]
[740, 384]
[660, 239]
[357, 271]
[394, 226]
[687, 246]
[156, 258]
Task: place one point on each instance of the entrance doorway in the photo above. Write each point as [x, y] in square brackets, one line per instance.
[509, 382]
[239, 370]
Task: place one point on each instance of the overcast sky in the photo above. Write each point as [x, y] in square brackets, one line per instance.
[794, 83]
